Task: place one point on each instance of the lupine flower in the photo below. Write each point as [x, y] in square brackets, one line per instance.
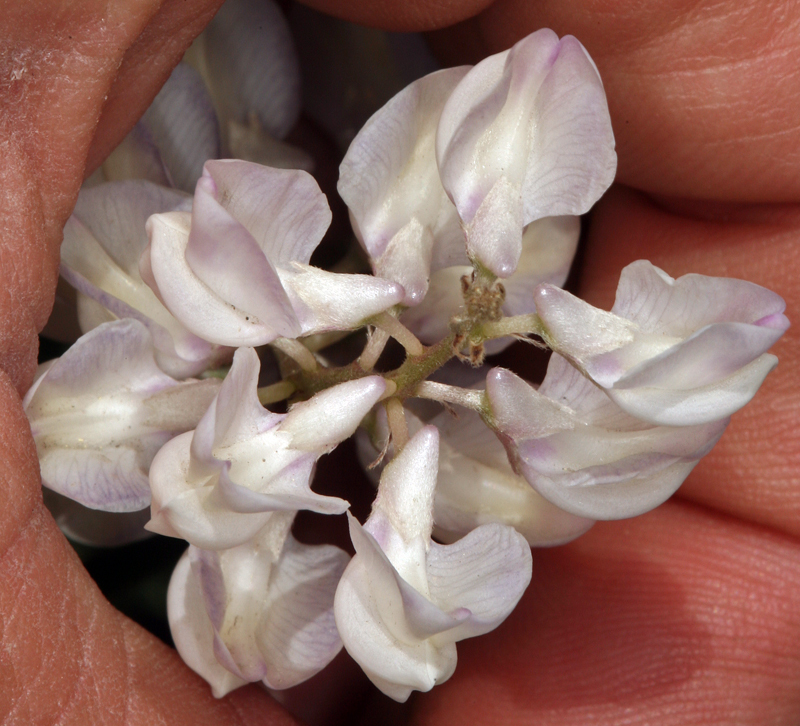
[235, 271]
[103, 241]
[219, 485]
[476, 484]
[671, 352]
[262, 611]
[524, 135]
[578, 449]
[404, 601]
[100, 413]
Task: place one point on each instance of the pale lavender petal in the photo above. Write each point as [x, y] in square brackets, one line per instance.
[660, 304]
[101, 412]
[484, 574]
[297, 636]
[226, 257]
[396, 667]
[192, 631]
[700, 405]
[246, 35]
[283, 209]
[546, 109]
[389, 173]
[116, 213]
[183, 124]
[407, 614]
[325, 301]
[194, 303]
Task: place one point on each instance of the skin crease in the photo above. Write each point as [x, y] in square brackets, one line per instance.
[687, 615]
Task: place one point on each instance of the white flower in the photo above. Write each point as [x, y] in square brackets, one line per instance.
[100, 413]
[476, 484]
[671, 352]
[404, 601]
[235, 271]
[524, 135]
[103, 241]
[262, 611]
[220, 484]
[584, 454]
[389, 180]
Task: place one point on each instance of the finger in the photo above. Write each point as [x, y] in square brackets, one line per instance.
[752, 471]
[702, 94]
[68, 657]
[678, 617]
[408, 16]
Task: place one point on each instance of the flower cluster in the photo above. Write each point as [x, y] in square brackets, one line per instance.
[464, 192]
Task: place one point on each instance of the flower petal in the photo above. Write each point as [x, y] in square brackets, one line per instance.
[484, 574]
[182, 122]
[283, 209]
[326, 301]
[102, 410]
[389, 173]
[246, 35]
[192, 631]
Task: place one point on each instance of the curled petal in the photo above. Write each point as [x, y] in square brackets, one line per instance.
[671, 352]
[182, 123]
[583, 453]
[525, 135]
[389, 173]
[100, 413]
[246, 35]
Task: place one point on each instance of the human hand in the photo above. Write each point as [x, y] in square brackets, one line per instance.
[685, 614]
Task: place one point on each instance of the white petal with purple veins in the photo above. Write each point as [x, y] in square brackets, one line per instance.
[100, 413]
[403, 601]
[583, 453]
[525, 135]
[672, 352]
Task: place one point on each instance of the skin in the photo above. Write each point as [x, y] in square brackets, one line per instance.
[687, 615]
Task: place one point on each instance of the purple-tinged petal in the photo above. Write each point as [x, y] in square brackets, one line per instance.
[283, 209]
[389, 174]
[485, 574]
[297, 637]
[594, 460]
[226, 258]
[100, 413]
[182, 122]
[248, 35]
[534, 121]
[192, 301]
[430, 320]
[192, 631]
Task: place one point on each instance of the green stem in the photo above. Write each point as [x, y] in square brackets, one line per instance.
[451, 394]
[390, 324]
[530, 324]
[279, 391]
